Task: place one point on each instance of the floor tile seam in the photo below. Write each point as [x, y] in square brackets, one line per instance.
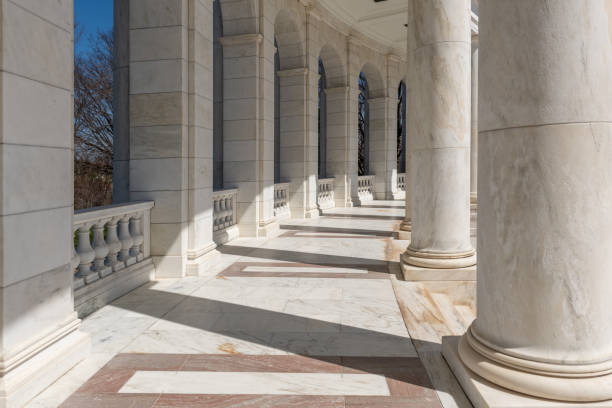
[416, 349]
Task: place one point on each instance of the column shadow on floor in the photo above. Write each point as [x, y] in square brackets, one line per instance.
[395, 207]
[360, 349]
[365, 216]
[337, 230]
[333, 261]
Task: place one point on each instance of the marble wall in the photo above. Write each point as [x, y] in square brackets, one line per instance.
[39, 336]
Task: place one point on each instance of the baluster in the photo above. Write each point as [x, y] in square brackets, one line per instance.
[216, 214]
[101, 249]
[231, 210]
[126, 241]
[114, 245]
[74, 262]
[222, 212]
[137, 237]
[226, 213]
[86, 255]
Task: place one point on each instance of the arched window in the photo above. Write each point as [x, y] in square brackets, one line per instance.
[363, 126]
[276, 115]
[217, 97]
[401, 128]
[322, 122]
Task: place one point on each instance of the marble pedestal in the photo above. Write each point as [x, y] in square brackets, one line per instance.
[413, 273]
[484, 394]
[26, 374]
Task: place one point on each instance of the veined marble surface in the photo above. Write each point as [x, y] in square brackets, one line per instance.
[320, 292]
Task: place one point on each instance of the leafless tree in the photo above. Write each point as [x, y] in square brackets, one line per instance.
[93, 121]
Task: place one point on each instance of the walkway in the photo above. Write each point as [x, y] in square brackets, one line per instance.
[307, 319]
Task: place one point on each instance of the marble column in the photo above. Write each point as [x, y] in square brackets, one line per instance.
[248, 128]
[170, 105]
[474, 125]
[298, 162]
[406, 224]
[39, 329]
[383, 147]
[544, 323]
[338, 142]
[121, 102]
[440, 143]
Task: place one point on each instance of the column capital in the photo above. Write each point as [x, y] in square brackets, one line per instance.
[302, 71]
[241, 39]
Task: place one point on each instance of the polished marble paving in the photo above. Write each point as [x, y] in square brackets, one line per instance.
[307, 319]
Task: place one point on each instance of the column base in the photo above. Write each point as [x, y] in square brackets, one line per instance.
[201, 263]
[413, 273]
[404, 231]
[26, 375]
[268, 230]
[312, 213]
[484, 394]
[438, 260]
[399, 195]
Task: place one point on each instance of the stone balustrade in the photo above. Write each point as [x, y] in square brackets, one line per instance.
[224, 215]
[365, 188]
[281, 200]
[109, 239]
[401, 182]
[325, 193]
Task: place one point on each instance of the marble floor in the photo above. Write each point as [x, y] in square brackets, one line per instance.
[315, 317]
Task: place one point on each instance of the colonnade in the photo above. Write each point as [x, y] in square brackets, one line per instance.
[544, 318]
[544, 312]
[165, 101]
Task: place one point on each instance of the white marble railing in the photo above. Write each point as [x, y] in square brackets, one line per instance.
[281, 200]
[401, 182]
[108, 239]
[224, 209]
[325, 193]
[365, 187]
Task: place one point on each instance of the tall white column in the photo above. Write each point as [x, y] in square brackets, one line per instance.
[248, 129]
[339, 160]
[121, 102]
[159, 136]
[440, 139]
[474, 124]
[298, 162]
[170, 105]
[383, 145]
[406, 225]
[39, 330]
[544, 324]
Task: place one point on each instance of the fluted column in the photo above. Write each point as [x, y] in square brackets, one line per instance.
[474, 124]
[544, 324]
[440, 139]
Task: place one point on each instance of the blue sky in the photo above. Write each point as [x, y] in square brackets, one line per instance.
[93, 16]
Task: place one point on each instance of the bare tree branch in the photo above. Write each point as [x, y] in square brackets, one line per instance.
[93, 121]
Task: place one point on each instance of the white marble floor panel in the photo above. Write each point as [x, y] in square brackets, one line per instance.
[237, 383]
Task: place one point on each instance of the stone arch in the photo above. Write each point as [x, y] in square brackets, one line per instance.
[335, 69]
[290, 40]
[330, 120]
[292, 146]
[375, 79]
[240, 17]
